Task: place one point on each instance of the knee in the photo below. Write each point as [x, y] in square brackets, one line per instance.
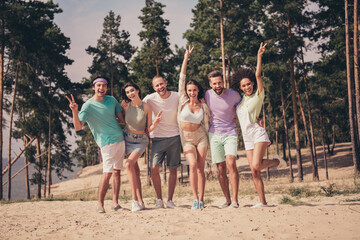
[256, 174]
[193, 167]
[116, 173]
[256, 167]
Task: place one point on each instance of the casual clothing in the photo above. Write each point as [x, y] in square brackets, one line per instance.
[187, 116]
[101, 118]
[223, 111]
[223, 129]
[113, 156]
[135, 142]
[204, 123]
[169, 146]
[168, 126]
[165, 137]
[247, 112]
[197, 138]
[135, 118]
[222, 145]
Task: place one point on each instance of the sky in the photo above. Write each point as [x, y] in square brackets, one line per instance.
[81, 21]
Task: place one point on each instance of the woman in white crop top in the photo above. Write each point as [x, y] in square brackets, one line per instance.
[138, 118]
[193, 119]
[255, 137]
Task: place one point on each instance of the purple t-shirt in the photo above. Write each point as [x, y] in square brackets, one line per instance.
[223, 111]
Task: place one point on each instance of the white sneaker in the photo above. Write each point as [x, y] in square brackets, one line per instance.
[135, 206]
[159, 203]
[259, 205]
[142, 205]
[170, 204]
[282, 163]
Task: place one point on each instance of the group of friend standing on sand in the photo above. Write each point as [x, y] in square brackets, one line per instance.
[191, 119]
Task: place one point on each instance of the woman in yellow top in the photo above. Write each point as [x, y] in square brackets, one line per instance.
[255, 137]
[193, 119]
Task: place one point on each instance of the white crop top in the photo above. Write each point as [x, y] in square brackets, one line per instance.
[187, 116]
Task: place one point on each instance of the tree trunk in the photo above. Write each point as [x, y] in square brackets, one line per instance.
[49, 156]
[284, 145]
[10, 129]
[2, 50]
[350, 102]
[26, 164]
[277, 134]
[296, 122]
[356, 68]
[286, 132]
[324, 151]
[226, 84]
[38, 152]
[314, 167]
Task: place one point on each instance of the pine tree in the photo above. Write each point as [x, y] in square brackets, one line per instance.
[155, 55]
[112, 54]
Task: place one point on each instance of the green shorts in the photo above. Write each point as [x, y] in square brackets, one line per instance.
[222, 145]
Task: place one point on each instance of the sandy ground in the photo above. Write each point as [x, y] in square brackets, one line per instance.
[316, 217]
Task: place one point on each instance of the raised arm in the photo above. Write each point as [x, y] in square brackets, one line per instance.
[78, 125]
[181, 90]
[259, 81]
[186, 58]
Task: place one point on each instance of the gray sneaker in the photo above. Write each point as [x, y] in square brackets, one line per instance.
[142, 205]
[225, 205]
[159, 203]
[100, 209]
[116, 207]
[135, 206]
[234, 205]
[170, 204]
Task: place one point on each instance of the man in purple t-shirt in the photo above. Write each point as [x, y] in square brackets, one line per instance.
[223, 135]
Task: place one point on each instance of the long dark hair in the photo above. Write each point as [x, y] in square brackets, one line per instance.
[129, 84]
[239, 75]
[201, 90]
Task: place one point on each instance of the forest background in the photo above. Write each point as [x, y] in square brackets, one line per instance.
[307, 103]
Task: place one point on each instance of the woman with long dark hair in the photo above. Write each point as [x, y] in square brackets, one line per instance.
[193, 118]
[138, 118]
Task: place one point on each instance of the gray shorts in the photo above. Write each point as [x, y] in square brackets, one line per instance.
[170, 146]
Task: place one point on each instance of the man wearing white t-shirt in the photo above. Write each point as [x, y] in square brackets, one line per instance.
[165, 138]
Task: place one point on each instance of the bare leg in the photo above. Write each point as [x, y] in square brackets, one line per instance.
[155, 176]
[233, 175]
[223, 180]
[116, 186]
[255, 161]
[138, 183]
[190, 155]
[103, 187]
[172, 183]
[130, 167]
[201, 153]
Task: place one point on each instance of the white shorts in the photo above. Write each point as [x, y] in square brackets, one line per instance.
[113, 156]
[255, 134]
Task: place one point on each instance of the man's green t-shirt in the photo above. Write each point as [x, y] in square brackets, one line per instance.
[101, 118]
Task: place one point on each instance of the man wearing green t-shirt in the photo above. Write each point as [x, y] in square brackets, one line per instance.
[103, 116]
